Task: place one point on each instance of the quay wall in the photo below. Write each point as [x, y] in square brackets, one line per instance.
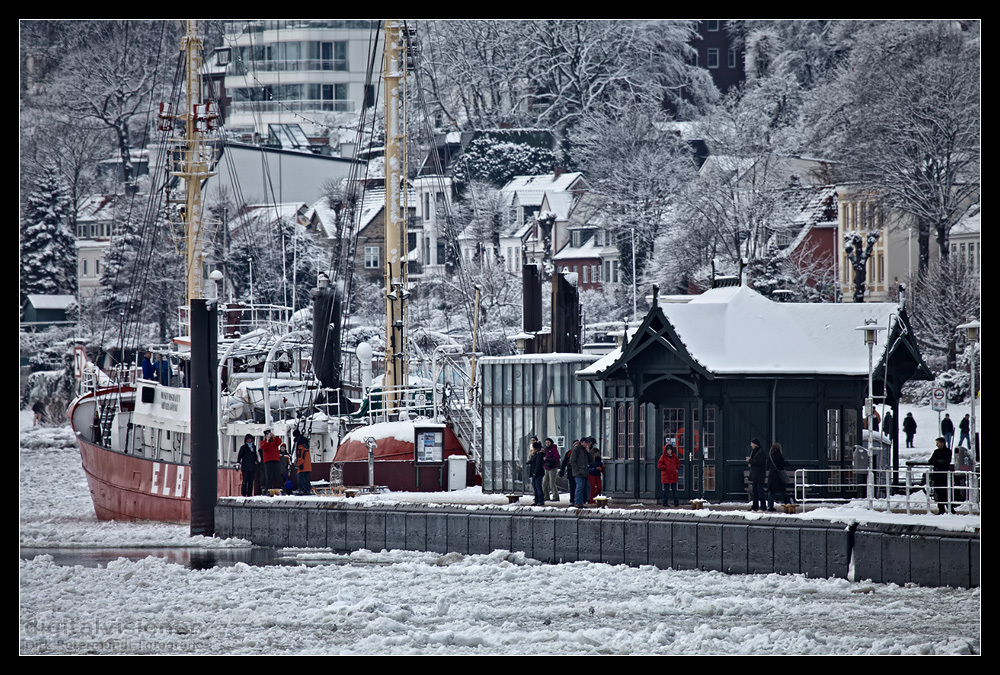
[879, 552]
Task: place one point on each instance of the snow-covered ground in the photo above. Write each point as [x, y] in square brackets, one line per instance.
[396, 602]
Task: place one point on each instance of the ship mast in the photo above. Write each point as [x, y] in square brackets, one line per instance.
[199, 118]
[396, 292]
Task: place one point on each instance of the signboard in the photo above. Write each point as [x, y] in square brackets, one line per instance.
[429, 446]
[939, 401]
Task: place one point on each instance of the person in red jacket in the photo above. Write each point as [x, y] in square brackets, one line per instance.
[270, 456]
[669, 464]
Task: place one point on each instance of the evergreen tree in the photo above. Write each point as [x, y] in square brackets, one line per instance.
[48, 253]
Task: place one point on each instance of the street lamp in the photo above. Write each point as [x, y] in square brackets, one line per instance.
[871, 329]
[972, 333]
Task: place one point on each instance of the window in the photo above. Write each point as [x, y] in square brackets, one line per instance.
[371, 257]
[713, 26]
[620, 449]
[732, 64]
[328, 56]
[642, 432]
[630, 448]
[833, 435]
[713, 57]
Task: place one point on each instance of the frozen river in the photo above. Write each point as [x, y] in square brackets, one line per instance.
[396, 602]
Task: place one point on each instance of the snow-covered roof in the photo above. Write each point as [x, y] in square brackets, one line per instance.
[539, 358]
[735, 330]
[558, 203]
[531, 189]
[97, 207]
[374, 201]
[289, 211]
[971, 221]
[51, 301]
[589, 249]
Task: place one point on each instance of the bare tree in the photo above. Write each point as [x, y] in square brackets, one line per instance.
[904, 115]
[112, 78]
[947, 296]
[858, 250]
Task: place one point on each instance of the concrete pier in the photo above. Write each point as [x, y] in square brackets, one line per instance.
[700, 540]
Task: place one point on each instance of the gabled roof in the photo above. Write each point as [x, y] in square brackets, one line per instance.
[736, 331]
[531, 189]
[97, 208]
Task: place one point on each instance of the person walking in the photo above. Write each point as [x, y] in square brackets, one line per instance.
[909, 428]
[963, 428]
[669, 465]
[947, 430]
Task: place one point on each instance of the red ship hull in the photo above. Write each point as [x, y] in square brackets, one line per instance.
[125, 487]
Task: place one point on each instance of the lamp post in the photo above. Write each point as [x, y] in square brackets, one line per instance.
[972, 333]
[871, 329]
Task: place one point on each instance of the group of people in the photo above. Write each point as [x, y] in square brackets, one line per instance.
[156, 368]
[948, 431]
[275, 464]
[768, 478]
[581, 465]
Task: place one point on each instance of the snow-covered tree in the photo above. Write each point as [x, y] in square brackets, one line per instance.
[637, 162]
[48, 253]
[904, 116]
[142, 281]
[947, 296]
[494, 160]
[111, 78]
[275, 253]
[551, 74]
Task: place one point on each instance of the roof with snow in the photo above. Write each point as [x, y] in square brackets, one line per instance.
[736, 331]
[531, 189]
[51, 301]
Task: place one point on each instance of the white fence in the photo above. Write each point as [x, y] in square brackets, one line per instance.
[909, 490]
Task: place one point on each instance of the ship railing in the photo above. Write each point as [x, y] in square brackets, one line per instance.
[912, 490]
[388, 403]
[238, 318]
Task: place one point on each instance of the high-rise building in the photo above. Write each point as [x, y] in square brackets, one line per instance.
[307, 72]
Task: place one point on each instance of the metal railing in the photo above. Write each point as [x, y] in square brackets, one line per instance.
[386, 403]
[909, 490]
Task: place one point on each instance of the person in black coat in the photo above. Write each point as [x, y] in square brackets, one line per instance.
[940, 463]
[536, 469]
[757, 461]
[909, 428]
[249, 459]
[963, 427]
[947, 430]
[776, 481]
[889, 426]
